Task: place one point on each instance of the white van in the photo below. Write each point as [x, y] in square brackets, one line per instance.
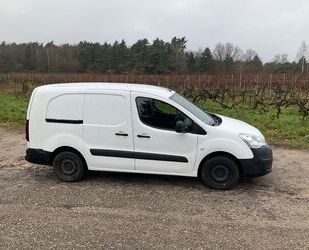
[136, 128]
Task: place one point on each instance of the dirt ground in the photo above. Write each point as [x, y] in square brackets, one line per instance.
[114, 210]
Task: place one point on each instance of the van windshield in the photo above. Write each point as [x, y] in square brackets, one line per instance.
[194, 110]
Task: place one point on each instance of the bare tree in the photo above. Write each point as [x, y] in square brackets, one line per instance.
[249, 55]
[302, 55]
[280, 58]
[219, 52]
[237, 54]
[284, 58]
[222, 52]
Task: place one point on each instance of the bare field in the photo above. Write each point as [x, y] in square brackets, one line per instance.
[146, 211]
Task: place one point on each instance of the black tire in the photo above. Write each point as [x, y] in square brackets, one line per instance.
[220, 172]
[69, 166]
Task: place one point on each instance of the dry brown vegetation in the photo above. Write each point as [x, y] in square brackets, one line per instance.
[257, 90]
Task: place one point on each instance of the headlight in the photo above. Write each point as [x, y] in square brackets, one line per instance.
[253, 141]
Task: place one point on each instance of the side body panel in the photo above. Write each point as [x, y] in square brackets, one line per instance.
[107, 130]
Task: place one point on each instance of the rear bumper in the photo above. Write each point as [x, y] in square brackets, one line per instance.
[38, 156]
[260, 164]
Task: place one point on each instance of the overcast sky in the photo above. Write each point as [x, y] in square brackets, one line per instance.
[268, 26]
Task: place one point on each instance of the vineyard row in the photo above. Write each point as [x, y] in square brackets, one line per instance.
[173, 81]
[258, 91]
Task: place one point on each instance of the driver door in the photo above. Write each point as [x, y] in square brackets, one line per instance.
[157, 147]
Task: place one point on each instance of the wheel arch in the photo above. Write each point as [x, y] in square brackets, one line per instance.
[218, 153]
[69, 149]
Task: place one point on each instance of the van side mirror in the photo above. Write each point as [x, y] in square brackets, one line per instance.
[180, 127]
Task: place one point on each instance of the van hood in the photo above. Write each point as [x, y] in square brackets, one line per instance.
[238, 127]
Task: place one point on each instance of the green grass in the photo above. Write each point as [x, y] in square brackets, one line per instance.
[13, 109]
[288, 130]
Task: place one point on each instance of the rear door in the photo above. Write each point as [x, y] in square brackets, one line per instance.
[158, 148]
[107, 130]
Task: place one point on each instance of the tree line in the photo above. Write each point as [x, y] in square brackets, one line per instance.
[142, 57]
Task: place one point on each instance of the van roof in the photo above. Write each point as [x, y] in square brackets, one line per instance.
[84, 86]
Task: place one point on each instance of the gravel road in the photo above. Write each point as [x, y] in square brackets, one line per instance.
[114, 210]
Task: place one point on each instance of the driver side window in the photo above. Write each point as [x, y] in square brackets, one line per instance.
[160, 115]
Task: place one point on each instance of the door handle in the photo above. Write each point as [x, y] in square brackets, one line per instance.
[120, 133]
[143, 136]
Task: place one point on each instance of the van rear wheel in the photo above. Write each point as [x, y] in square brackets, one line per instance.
[220, 172]
[69, 166]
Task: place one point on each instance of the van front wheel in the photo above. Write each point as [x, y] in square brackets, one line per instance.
[220, 172]
[69, 167]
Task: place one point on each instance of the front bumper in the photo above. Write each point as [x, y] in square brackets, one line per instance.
[260, 164]
[38, 156]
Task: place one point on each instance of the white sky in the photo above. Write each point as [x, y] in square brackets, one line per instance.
[268, 26]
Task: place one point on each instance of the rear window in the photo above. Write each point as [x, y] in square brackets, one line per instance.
[66, 107]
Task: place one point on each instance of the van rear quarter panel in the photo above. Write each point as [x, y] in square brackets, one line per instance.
[49, 136]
